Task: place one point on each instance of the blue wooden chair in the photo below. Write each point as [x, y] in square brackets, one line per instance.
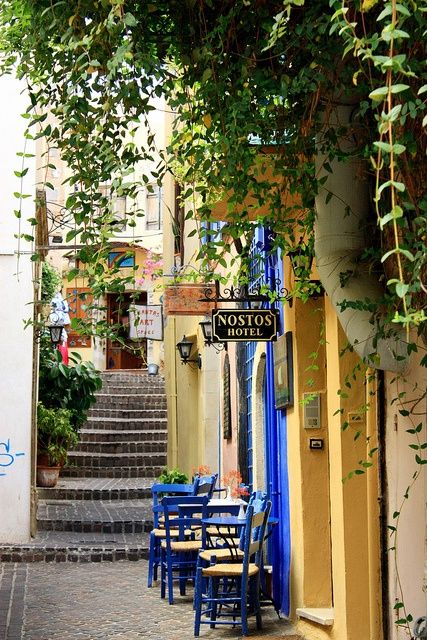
[157, 534]
[233, 587]
[179, 548]
[203, 485]
[234, 546]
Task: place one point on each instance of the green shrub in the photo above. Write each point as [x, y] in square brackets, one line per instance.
[67, 387]
[55, 434]
[173, 476]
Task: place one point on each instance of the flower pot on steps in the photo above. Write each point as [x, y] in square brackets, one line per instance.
[47, 476]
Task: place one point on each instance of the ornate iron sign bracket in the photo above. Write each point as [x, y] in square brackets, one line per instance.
[244, 293]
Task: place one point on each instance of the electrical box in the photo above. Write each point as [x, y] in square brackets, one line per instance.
[312, 411]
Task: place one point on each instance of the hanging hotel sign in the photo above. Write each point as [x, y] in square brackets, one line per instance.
[236, 325]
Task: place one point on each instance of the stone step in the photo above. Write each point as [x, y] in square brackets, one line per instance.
[111, 460]
[130, 377]
[139, 414]
[125, 447]
[130, 516]
[54, 546]
[146, 401]
[126, 424]
[112, 473]
[107, 489]
[138, 388]
[103, 435]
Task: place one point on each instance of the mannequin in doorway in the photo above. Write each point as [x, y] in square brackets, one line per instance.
[63, 347]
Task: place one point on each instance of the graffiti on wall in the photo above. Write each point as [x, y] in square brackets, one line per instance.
[8, 457]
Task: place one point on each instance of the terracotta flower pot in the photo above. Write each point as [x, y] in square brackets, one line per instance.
[47, 476]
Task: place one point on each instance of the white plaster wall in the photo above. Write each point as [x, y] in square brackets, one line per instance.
[401, 466]
[15, 342]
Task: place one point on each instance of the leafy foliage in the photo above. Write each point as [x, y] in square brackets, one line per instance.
[245, 78]
[51, 282]
[55, 434]
[173, 476]
[68, 387]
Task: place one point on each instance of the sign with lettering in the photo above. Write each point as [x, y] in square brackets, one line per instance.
[146, 322]
[236, 325]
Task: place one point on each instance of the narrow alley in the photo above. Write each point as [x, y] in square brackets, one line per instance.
[101, 601]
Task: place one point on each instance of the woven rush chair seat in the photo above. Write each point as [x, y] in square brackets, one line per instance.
[161, 533]
[229, 570]
[220, 554]
[184, 545]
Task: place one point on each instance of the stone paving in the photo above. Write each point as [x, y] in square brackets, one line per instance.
[103, 601]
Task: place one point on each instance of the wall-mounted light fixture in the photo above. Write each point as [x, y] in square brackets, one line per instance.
[184, 347]
[55, 334]
[206, 326]
[55, 327]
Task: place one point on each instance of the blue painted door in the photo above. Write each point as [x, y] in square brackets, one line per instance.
[275, 439]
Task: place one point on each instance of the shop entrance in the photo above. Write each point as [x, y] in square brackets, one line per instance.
[131, 354]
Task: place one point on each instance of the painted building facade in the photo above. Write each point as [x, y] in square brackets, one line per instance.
[336, 458]
[16, 342]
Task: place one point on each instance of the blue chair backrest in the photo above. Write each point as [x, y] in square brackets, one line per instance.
[190, 510]
[159, 490]
[258, 501]
[254, 533]
[205, 485]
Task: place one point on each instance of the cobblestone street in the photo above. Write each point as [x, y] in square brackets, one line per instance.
[91, 601]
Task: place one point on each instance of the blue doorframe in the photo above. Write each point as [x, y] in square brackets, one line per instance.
[275, 447]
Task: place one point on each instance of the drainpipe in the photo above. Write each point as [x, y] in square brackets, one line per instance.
[339, 241]
[383, 505]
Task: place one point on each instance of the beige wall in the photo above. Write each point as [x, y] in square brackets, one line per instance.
[407, 565]
[193, 394]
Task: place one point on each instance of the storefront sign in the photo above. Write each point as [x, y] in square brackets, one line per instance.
[146, 322]
[235, 325]
[184, 300]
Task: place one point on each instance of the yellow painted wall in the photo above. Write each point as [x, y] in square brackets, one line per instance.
[308, 469]
[334, 565]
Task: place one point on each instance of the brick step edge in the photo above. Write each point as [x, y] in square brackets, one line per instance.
[112, 472]
[76, 526]
[117, 424]
[157, 447]
[94, 494]
[112, 460]
[103, 435]
[73, 554]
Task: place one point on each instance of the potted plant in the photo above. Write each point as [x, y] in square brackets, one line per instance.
[173, 476]
[55, 436]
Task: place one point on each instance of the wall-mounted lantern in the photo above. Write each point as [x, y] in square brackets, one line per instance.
[184, 347]
[206, 326]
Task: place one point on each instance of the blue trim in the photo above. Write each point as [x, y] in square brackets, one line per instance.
[276, 444]
[275, 431]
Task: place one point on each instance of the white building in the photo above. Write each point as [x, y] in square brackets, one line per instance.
[16, 342]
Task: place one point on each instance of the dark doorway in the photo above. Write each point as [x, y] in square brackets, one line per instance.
[131, 354]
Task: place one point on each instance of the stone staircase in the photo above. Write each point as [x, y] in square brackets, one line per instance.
[101, 506]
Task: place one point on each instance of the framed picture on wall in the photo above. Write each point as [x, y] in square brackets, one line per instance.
[283, 371]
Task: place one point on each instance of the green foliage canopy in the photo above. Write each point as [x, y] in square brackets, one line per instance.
[240, 75]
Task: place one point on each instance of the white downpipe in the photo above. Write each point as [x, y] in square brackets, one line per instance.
[339, 241]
